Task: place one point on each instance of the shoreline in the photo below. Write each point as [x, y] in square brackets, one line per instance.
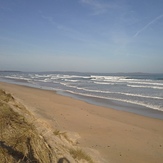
[113, 104]
[117, 105]
[119, 136]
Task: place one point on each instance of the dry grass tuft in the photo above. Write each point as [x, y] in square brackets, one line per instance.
[61, 134]
[57, 132]
[5, 96]
[19, 140]
[80, 155]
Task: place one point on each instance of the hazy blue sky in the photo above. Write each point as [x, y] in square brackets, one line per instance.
[81, 35]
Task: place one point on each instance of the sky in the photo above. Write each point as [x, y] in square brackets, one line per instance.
[82, 35]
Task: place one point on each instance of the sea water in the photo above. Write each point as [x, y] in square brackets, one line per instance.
[137, 89]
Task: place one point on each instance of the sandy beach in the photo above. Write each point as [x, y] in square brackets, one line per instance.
[119, 137]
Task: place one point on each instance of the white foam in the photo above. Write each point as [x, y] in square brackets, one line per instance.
[104, 83]
[90, 85]
[42, 76]
[17, 77]
[148, 83]
[144, 86]
[139, 95]
[109, 92]
[72, 76]
[71, 80]
[123, 79]
[107, 78]
[155, 107]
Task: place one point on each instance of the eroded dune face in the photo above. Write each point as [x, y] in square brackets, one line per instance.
[20, 140]
[26, 139]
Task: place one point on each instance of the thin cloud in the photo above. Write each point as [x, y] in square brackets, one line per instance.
[67, 31]
[147, 25]
[97, 6]
[50, 19]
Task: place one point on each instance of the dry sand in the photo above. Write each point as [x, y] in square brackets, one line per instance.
[119, 136]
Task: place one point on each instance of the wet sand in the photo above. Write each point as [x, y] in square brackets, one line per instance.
[119, 136]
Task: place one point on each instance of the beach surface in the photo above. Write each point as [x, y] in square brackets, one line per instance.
[118, 136]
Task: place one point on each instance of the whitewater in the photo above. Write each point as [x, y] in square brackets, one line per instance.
[142, 90]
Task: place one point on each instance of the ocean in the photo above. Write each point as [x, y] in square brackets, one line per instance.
[133, 92]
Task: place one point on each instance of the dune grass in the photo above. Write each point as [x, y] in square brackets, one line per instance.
[19, 140]
[80, 155]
